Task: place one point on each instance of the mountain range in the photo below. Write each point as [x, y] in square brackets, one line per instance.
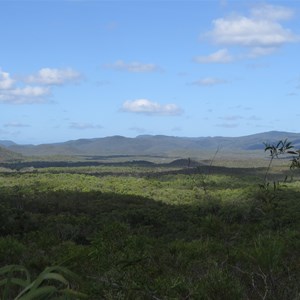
[153, 145]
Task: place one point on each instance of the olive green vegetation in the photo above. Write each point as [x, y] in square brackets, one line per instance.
[6, 155]
[40, 288]
[146, 231]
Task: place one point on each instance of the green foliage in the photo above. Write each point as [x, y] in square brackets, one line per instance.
[151, 232]
[11, 250]
[52, 283]
[283, 147]
[219, 284]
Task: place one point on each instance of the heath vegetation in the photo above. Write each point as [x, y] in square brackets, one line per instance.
[151, 231]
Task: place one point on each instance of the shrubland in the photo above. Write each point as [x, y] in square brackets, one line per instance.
[150, 232]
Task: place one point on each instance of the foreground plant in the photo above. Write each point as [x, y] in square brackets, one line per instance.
[276, 150]
[52, 283]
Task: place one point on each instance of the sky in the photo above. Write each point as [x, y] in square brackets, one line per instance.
[74, 69]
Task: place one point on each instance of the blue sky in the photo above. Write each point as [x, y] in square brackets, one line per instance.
[85, 69]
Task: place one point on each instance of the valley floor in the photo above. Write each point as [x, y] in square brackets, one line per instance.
[153, 230]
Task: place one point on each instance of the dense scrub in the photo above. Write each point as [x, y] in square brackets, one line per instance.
[155, 233]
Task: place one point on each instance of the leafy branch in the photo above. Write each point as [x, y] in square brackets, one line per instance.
[283, 147]
[40, 288]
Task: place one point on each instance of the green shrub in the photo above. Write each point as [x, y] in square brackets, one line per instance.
[219, 284]
[11, 250]
[53, 283]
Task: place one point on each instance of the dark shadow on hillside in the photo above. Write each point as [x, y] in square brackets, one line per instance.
[188, 166]
[93, 210]
[66, 164]
[180, 166]
[78, 216]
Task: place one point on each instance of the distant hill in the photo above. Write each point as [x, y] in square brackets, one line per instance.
[7, 143]
[7, 155]
[156, 145]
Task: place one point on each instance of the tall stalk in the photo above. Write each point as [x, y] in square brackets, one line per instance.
[282, 147]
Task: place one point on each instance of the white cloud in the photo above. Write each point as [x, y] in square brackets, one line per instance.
[261, 51]
[245, 31]
[272, 12]
[261, 31]
[134, 67]
[25, 95]
[50, 76]
[144, 106]
[30, 91]
[13, 92]
[220, 56]
[6, 82]
[208, 81]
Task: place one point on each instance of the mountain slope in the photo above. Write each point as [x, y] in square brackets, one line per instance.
[7, 143]
[7, 155]
[156, 145]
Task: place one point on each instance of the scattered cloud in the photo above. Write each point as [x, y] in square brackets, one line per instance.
[48, 76]
[25, 95]
[261, 51]
[244, 31]
[29, 91]
[147, 107]
[82, 126]
[220, 56]
[272, 12]
[208, 81]
[15, 125]
[6, 82]
[134, 67]
[261, 31]
[33, 88]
